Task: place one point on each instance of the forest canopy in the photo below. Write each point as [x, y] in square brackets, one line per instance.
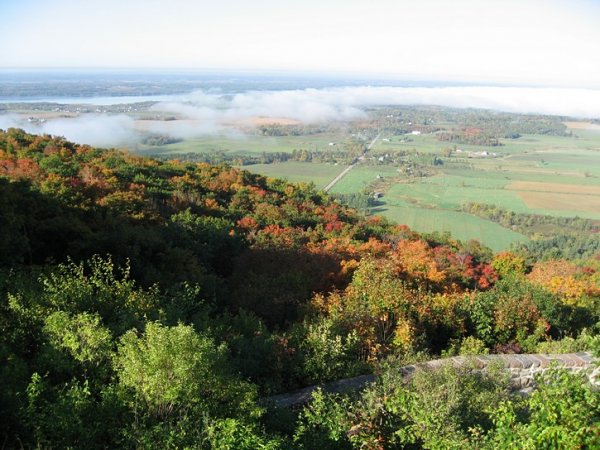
[148, 303]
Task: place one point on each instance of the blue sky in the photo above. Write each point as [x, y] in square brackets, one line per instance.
[520, 41]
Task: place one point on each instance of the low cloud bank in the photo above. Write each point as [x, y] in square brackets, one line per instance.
[308, 106]
[345, 103]
[215, 112]
[96, 130]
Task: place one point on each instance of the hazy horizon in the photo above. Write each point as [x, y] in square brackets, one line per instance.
[218, 110]
[285, 74]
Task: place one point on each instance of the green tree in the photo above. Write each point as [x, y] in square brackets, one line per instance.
[174, 379]
[71, 415]
[81, 335]
[328, 351]
[98, 287]
[323, 424]
[563, 412]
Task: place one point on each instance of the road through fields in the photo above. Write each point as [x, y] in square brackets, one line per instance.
[350, 167]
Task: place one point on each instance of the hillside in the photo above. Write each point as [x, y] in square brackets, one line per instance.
[148, 303]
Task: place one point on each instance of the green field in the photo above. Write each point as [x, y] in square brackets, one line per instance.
[361, 177]
[428, 143]
[430, 194]
[462, 226]
[440, 192]
[560, 162]
[247, 144]
[298, 172]
[506, 176]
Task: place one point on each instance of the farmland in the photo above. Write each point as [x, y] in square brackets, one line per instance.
[299, 172]
[238, 143]
[461, 225]
[425, 164]
[421, 180]
[362, 177]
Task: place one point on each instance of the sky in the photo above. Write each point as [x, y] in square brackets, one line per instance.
[533, 42]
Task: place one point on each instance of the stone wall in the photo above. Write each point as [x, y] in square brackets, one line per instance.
[522, 369]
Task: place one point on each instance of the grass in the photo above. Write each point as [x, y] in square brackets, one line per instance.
[428, 143]
[461, 225]
[506, 176]
[433, 195]
[248, 145]
[362, 176]
[476, 180]
[439, 193]
[298, 172]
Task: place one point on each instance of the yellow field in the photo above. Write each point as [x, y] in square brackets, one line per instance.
[166, 126]
[582, 126]
[273, 121]
[564, 202]
[559, 188]
[558, 196]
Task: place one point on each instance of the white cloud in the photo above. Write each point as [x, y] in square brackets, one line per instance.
[345, 103]
[103, 131]
[10, 121]
[96, 130]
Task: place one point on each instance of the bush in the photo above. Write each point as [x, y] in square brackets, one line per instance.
[468, 346]
[328, 352]
[172, 377]
[435, 409]
[516, 311]
[586, 341]
[562, 412]
[323, 424]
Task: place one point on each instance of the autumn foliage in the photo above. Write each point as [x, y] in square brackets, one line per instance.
[275, 284]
